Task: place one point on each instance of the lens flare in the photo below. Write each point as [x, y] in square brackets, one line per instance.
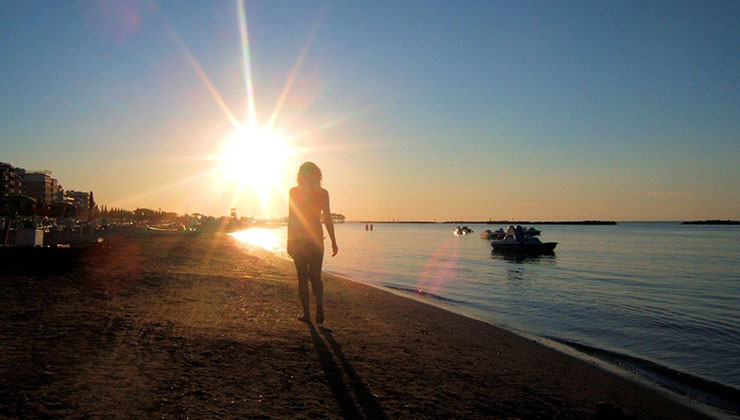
[442, 267]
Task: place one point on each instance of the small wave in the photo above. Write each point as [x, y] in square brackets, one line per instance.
[420, 293]
[714, 393]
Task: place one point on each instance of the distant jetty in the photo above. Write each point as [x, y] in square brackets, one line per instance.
[712, 222]
[498, 222]
[395, 221]
[555, 222]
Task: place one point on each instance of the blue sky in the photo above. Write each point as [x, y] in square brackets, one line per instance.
[618, 110]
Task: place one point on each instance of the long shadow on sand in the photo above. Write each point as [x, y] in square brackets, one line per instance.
[342, 393]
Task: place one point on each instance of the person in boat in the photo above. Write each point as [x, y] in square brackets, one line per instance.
[308, 202]
[519, 233]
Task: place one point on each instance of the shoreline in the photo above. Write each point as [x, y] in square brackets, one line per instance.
[623, 365]
[548, 344]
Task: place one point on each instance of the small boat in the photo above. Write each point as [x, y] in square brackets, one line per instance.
[532, 232]
[517, 241]
[169, 228]
[497, 234]
[172, 230]
[462, 230]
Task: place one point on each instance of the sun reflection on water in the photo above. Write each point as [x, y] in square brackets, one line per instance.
[263, 238]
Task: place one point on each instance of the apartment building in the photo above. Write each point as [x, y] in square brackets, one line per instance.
[79, 199]
[41, 186]
[11, 180]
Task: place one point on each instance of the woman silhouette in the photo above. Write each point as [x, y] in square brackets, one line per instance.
[308, 201]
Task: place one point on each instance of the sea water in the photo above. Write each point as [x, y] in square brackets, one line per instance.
[659, 298]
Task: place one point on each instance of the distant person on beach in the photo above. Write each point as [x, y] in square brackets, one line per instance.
[308, 202]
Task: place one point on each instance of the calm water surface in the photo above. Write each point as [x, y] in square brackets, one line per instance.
[662, 292]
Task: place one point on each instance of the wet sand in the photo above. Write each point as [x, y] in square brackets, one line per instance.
[171, 327]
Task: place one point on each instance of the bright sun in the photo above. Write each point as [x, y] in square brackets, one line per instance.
[255, 157]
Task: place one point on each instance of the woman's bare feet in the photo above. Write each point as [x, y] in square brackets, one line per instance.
[319, 314]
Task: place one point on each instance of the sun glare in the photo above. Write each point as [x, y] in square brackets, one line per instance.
[262, 238]
[255, 157]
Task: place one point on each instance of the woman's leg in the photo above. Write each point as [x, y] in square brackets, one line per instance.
[314, 274]
[301, 268]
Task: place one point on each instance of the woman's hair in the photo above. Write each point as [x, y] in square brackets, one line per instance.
[309, 172]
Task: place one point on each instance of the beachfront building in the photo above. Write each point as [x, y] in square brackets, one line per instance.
[11, 180]
[79, 199]
[41, 186]
[57, 192]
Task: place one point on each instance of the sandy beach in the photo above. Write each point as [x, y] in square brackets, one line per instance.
[176, 327]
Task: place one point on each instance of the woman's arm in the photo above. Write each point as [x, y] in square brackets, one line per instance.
[329, 225]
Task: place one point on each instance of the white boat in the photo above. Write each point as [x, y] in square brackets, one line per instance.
[517, 241]
[462, 230]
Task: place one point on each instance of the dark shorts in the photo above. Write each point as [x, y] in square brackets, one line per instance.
[306, 249]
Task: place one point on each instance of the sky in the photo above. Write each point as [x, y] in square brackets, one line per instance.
[413, 110]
